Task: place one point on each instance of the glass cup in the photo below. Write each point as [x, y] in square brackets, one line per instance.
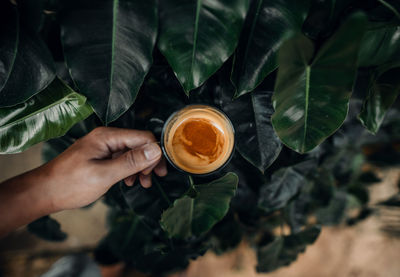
[198, 139]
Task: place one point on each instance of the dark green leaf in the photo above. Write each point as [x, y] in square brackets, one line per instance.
[268, 25]
[197, 37]
[285, 183]
[227, 234]
[32, 68]
[108, 48]
[47, 115]
[195, 216]
[284, 250]
[256, 140]
[381, 95]
[9, 28]
[323, 16]
[312, 95]
[47, 228]
[381, 44]
[334, 213]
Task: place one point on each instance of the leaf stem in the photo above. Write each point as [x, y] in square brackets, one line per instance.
[163, 194]
[390, 7]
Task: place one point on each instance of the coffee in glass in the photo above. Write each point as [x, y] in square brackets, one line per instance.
[198, 139]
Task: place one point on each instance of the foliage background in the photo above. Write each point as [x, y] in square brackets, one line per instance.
[132, 64]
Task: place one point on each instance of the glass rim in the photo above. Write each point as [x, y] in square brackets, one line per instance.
[163, 148]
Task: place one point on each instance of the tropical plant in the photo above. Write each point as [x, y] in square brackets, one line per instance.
[284, 71]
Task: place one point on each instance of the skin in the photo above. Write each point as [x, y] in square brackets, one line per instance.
[80, 175]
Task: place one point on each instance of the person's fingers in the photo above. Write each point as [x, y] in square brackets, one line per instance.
[161, 168]
[148, 170]
[130, 180]
[108, 140]
[145, 180]
[130, 163]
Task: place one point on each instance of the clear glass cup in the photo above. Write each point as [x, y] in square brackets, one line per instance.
[198, 139]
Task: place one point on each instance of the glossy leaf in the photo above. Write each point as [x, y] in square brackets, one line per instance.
[285, 184]
[197, 37]
[268, 25]
[381, 44]
[381, 95]
[47, 115]
[312, 94]
[9, 28]
[108, 49]
[194, 216]
[32, 69]
[284, 250]
[47, 228]
[323, 16]
[256, 140]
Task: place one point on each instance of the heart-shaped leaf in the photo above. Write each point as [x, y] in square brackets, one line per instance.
[47, 115]
[285, 184]
[108, 48]
[312, 94]
[284, 250]
[197, 37]
[195, 216]
[268, 25]
[381, 95]
[256, 140]
[28, 64]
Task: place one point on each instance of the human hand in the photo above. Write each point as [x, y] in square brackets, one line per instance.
[89, 167]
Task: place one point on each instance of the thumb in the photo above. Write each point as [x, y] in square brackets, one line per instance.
[133, 161]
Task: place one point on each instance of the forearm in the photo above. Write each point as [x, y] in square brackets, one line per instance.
[23, 199]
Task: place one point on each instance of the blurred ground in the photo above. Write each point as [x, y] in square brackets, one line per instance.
[360, 251]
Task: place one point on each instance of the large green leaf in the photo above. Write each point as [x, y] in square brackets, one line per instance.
[381, 95]
[312, 94]
[197, 37]
[381, 44]
[256, 140]
[268, 25]
[194, 216]
[8, 39]
[284, 250]
[47, 115]
[28, 65]
[108, 48]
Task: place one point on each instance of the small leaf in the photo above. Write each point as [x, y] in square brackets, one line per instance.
[268, 25]
[195, 216]
[312, 96]
[255, 138]
[108, 49]
[197, 37]
[285, 184]
[47, 115]
[47, 228]
[381, 95]
[284, 250]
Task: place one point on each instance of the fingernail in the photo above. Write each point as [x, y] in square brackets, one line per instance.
[151, 151]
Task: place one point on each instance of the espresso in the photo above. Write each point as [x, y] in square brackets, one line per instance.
[198, 139]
